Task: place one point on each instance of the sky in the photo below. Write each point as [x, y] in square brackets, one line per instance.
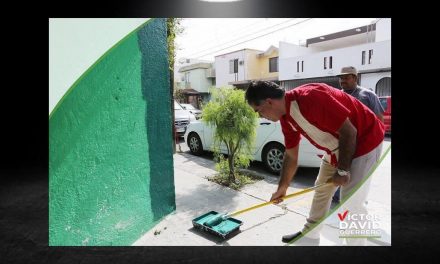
[205, 38]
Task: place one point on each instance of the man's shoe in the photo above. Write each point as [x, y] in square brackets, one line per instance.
[288, 238]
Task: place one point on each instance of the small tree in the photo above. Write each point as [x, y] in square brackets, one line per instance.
[173, 29]
[235, 128]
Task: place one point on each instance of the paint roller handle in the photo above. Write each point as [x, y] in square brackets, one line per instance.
[305, 190]
[284, 197]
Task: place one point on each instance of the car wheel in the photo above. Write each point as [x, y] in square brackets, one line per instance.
[273, 154]
[195, 144]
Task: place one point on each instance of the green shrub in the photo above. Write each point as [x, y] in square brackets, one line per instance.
[235, 125]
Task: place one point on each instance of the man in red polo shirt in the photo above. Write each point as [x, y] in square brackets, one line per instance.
[347, 130]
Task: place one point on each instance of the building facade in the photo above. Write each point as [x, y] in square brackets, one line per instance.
[367, 48]
[240, 67]
[194, 81]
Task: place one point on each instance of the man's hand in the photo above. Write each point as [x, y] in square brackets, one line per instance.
[276, 196]
[339, 180]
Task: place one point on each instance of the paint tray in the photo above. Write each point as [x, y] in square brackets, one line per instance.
[225, 229]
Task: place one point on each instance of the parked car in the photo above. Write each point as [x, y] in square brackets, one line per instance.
[386, 104]
[182, 119]
[196, 112]
[268, 148]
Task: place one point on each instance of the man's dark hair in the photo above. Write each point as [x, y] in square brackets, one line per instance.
[259, 91]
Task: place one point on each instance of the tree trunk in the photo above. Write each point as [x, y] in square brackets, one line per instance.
[173, 126]
[231, 168]
[171, 72]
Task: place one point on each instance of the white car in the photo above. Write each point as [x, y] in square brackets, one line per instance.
[182, 118]
[196, 112]
[268, 148]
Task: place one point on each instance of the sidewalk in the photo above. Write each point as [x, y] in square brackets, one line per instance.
[265, 226]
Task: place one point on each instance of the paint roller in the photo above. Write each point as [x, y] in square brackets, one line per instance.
[217, 219]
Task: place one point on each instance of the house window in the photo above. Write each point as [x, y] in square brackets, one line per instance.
[302, 66]
[370, 56]
[363, 57]
[325, 63]
[233, 66]
[187, 77]
[297, 66]
[273, 64]
[330, 62]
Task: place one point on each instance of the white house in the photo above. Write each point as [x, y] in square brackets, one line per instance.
[195, 80]
[182, 62]
[234, 66]
[367, 48]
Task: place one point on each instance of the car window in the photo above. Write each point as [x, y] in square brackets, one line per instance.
[177, 106]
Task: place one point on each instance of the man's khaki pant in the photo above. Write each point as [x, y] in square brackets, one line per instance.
[360, 168]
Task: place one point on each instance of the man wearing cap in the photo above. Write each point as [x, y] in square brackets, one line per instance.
[349, 133]
[348, 81]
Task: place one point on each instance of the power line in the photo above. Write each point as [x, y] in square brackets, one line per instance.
[236, 39]
[256, 37]
[234, 33]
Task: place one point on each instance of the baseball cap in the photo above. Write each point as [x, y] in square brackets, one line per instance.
[348, 70]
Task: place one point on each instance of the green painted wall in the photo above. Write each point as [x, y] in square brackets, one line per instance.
[110, 146]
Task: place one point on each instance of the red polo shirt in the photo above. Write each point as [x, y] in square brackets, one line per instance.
[317, 111]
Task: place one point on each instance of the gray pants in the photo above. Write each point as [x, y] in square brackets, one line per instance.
[360, 168]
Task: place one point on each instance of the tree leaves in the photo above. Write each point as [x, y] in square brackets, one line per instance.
[234, 123]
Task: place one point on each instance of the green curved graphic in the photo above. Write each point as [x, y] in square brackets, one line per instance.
[355, 189]
[110, 146]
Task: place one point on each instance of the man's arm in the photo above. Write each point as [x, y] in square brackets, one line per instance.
[290, 164]
[347, 148]
[376, 106]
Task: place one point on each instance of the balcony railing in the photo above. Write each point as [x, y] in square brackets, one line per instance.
[183, 85]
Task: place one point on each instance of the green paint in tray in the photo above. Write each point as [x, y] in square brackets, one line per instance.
[224, 229]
